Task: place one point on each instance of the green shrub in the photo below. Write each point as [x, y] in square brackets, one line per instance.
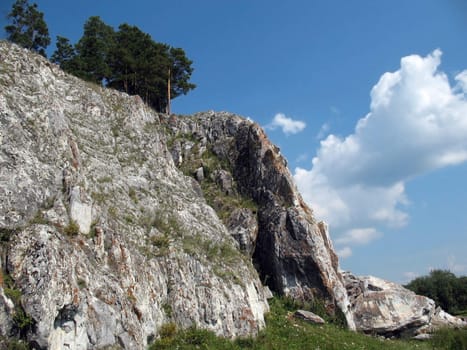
[21, 319]
[38, 219]
[81, 283]
[160, 241]
[72, 229]
[132, 194]
[168, 330]
[167, 309]
[13, 344]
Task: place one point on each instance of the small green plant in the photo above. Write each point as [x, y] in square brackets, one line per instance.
[168, 225]
[167, 309]
[104, 179]
[162, 243]
[99, 197]
[132, 195]
[6, 233]
[13, 344]
[72, 229]
[81, 283]
[22, 321]
[168, 330]
[113, 212]
[92, 231]
[38, 219]
[128, 219]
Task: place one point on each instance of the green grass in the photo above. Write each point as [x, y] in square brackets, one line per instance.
[283, 332]
[450, 339]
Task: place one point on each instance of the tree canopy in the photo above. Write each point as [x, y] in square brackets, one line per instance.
[445, 288]
[128, 60]
[28, 28]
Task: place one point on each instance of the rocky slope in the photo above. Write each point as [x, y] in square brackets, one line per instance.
[115, 220]
[103, 238]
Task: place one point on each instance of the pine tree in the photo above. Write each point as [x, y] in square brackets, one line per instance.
[181, 70]
[65, 55]
[140, 66]
[28, 28]
[93, 50]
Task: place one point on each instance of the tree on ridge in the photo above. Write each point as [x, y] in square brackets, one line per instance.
[28, 27]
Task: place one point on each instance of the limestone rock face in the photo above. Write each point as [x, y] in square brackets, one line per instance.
[103, 239]
[388, 309]
[115, 220]
[292, 250]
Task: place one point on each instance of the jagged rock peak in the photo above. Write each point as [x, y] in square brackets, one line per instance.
[292, 251]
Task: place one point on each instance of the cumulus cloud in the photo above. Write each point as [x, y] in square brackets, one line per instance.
[417, 123]
[344, 252]
[359, 236]
[288, 125]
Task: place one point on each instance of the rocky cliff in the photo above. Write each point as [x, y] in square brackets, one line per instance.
[106, 232]
[103, 238]
[115, 220]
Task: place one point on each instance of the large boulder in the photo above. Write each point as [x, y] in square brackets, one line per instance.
[388, 309]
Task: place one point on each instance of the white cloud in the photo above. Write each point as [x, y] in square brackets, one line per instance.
[344, 252]
[288, 125]
[323, 131]
[417, 123]
[301, 158]
[409, 276]
[359, 236]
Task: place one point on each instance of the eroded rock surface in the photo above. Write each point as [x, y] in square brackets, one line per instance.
[292, 251]
[386, 308]
[115, 220]
[103, 238]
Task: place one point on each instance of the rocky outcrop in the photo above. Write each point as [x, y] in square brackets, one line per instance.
[293, 252]
[115, 220]
[388, 309]
[103, 239]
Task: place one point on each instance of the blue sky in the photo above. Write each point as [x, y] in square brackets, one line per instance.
[374, 86]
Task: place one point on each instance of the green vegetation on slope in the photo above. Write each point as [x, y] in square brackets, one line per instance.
[283, 331]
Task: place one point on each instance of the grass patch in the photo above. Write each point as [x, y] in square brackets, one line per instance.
[162, 243]
[450, 339]
[167, 224]
[72, 229]
[132, 194]
[39, 219]
[284, 332]
[21, 320]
